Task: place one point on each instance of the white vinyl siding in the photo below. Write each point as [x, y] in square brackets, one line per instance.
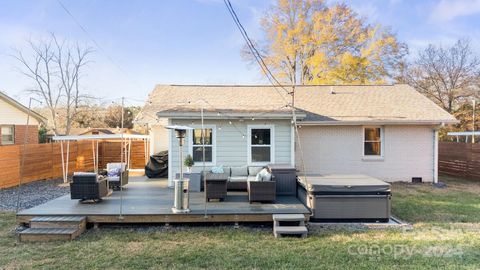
[231, 142]
[11, 115]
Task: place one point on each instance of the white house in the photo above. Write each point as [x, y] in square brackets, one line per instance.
[13, 120]
[385, 131]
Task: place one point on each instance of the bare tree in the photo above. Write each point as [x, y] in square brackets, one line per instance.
[56, 67]
[447, 76]
[113, 116]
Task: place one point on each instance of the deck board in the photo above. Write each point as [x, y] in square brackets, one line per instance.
[151, 197]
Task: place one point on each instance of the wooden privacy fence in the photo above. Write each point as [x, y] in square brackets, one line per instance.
[459, 159]
[44, 161]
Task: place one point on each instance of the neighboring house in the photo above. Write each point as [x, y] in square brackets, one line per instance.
[385, 131]
[148, 121]
[13, 122]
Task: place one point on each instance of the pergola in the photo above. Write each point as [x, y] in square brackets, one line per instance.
[125, 139]
[467, 134]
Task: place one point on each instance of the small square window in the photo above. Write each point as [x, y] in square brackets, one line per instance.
[372, 145]
[8, 136]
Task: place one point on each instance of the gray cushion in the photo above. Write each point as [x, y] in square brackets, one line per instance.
[252, 178]
[254, 170]
[216, 176]
[237, 178]
[113, 178]
[239, 171]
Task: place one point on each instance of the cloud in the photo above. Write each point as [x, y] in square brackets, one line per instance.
[449, 10]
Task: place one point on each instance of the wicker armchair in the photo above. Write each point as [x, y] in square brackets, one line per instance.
[261, 191]
[115, 182]
[87, 186]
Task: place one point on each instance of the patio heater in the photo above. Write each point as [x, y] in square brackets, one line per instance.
[180, 203]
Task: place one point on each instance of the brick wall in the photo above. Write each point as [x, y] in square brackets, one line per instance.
[408, 152]
[20, 134]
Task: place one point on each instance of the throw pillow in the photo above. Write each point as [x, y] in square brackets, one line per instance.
[113, 172]
[267, 176]
[218, 169]
[259, 176]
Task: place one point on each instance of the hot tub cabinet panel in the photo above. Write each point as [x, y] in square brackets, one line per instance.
[346, 198]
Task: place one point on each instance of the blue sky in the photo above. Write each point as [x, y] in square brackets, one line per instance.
[194, 41]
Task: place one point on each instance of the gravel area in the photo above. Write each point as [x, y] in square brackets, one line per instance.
[32, 194]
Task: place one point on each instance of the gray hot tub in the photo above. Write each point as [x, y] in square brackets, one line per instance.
[345, 197]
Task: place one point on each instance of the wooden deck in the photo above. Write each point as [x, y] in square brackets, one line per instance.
[150, 201]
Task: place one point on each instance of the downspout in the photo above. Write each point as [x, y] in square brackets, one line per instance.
[435, 154]
[170, 145]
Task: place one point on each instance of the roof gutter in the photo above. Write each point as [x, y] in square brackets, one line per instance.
[216, 115]
[377, 122]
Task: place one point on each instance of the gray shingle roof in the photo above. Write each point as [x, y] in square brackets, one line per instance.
[364, 103]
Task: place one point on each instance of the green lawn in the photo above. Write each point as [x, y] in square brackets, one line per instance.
[446, 234]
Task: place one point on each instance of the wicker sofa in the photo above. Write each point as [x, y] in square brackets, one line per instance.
[237, 177]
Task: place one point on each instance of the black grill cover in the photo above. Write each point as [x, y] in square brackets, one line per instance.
[157, 166]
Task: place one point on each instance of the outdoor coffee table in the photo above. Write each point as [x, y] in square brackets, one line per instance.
[216, 188]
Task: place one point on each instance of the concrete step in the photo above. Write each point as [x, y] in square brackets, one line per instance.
[48, 234]
[290, 230]
[79, 222]
[288, 217]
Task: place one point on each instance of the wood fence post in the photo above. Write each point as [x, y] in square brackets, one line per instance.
[468, 153]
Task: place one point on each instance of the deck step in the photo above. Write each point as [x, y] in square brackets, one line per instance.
[79, 222]
[289, 224]
[54, 228]
[59, 218]
[288, 217]
[290, 230]
[48, 234]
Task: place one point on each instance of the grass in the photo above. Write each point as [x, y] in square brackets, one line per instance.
[445, 235]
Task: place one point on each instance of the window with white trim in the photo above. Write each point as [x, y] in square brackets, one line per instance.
[372, 141]
[197, 145]
[260, 144]
[8, 135]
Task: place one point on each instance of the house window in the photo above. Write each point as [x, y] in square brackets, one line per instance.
[198, 145]
[260, 144]
[372, 145]
[8, 136]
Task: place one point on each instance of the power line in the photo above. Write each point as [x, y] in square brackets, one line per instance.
[258, 57]
[264, 67]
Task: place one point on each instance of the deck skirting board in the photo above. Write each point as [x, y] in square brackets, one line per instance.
[174, 218]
